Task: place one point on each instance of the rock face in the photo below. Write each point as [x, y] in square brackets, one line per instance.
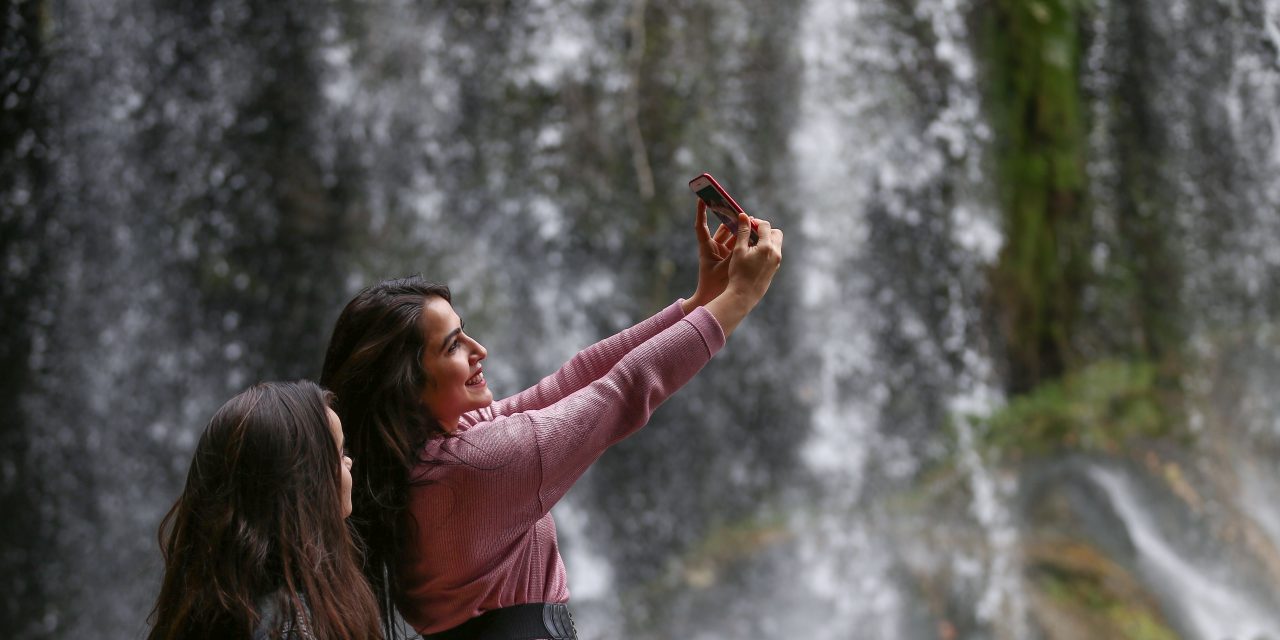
[1080, 562]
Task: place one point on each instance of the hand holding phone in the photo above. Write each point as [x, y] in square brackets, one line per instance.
[720, 203]
[750, 271]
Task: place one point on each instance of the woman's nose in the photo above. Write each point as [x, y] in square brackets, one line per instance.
[480, 352]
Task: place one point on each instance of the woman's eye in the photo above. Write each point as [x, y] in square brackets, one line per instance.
[454, 347]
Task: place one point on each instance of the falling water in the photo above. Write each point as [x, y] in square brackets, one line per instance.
[1211, 606]
[203, 186]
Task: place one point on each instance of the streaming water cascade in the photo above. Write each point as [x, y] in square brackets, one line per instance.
[192, 190]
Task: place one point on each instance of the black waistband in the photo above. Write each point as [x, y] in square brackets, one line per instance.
[533, 621]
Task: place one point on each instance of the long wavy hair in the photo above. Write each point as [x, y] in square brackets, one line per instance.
[260, 524]
[374, 365]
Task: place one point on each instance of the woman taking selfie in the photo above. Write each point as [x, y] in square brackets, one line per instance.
[257, 544]
[453, 491]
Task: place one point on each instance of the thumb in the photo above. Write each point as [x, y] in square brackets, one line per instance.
[744, 233]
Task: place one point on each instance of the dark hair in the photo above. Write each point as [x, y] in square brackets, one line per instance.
[260, 524]
[374, 365]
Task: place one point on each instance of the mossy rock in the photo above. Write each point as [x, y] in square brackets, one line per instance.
[1076, 592]
[1104, 407]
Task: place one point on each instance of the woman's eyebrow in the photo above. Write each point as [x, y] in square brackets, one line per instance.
[447, 338]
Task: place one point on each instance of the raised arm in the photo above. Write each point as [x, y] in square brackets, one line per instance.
[530, 459]
[522, 464]
[714, 252]
[575, 431]
[585, 367]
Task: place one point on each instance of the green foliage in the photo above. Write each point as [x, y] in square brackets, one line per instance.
[1038, 108]
[1080, 592]
[1034, 50]
[1102, 407]
[1094, 601]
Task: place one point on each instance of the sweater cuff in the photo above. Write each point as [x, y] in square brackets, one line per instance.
[675, 310]
[708, 327]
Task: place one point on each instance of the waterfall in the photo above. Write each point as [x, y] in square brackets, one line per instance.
[190, 193]
[1211, 606]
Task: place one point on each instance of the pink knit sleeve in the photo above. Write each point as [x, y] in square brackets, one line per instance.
[572, 433]
[588, 365]
[515, 468]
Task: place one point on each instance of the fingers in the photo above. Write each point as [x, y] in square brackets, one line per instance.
[769, 238]
[721, 242]
[762, 228]
[722, 234]
[700, 225]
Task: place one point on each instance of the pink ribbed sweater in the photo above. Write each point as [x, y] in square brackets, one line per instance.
[482, 499]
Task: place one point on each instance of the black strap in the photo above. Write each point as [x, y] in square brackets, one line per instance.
[533, 621]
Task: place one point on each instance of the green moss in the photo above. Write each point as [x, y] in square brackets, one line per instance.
[1093, 601]
[1080, 592]
[1102, 407]
[1033, 59]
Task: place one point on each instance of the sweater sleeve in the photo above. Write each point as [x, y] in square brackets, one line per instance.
[588, 365]
[574, 432]
[520, 465]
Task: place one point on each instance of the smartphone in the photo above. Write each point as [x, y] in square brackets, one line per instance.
[720, 203]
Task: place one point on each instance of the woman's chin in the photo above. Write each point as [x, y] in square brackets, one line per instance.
[483, 397]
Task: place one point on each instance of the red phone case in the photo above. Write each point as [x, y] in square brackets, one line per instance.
[737, 208]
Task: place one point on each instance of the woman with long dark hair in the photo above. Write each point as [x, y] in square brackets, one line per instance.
[452, 490]
[257, 545]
